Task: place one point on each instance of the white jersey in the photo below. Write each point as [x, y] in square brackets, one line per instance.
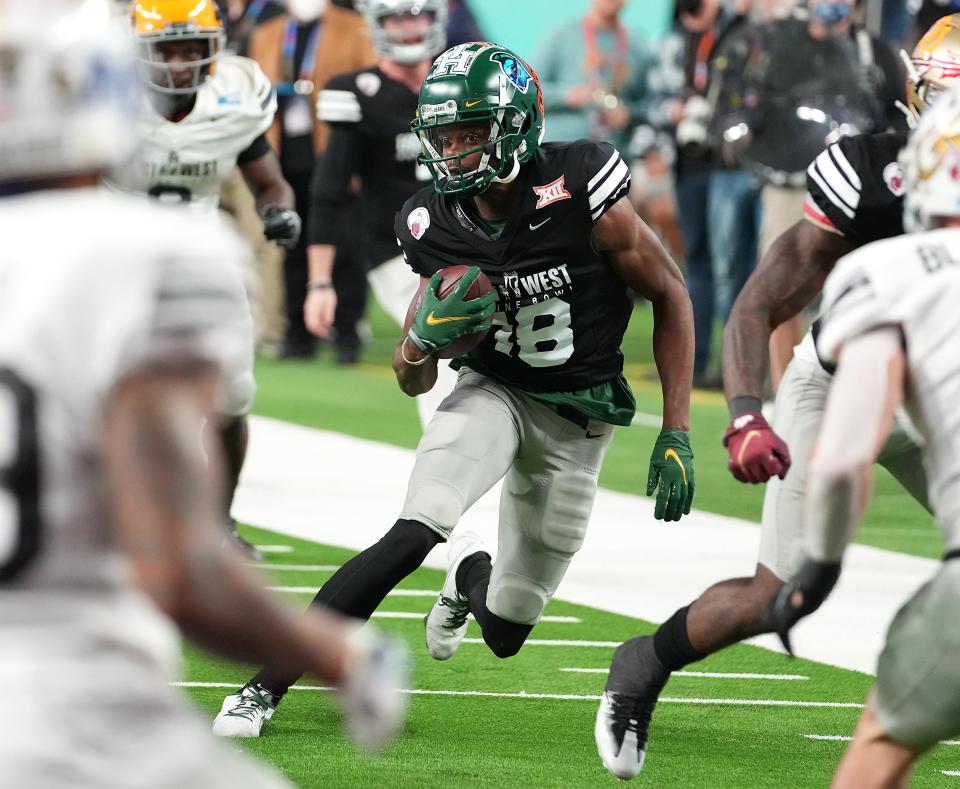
[912, 282]
[188, 160]
[117, 284]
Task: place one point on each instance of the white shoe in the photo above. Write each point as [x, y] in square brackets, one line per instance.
[618, 739]
[446, 624]
[371, 699]
[245, 712]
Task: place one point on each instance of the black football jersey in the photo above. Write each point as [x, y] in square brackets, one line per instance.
[855, 186]
[369, 114]
[561, 309]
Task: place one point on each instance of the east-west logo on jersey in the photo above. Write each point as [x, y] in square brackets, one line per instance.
[518, 290]
[174, 167]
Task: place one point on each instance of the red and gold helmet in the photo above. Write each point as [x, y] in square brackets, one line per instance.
[935, 63]
[178, 42]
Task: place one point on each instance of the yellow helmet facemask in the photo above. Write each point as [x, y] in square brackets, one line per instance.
[160, 25]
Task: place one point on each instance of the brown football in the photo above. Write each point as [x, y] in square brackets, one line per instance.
[450, 276]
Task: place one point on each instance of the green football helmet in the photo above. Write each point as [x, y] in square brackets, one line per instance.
[479, 82]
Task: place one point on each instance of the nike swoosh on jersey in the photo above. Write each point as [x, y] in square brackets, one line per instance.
[537, 227]
[432, 320]
[672, 453]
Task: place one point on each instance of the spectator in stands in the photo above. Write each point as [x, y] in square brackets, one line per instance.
[242, 17]
[594, 77]
[718, 204]
[929, 11]
[461, 24]
[300, 51]
[818, 58]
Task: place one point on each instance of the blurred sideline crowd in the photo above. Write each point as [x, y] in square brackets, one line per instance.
[720, 120]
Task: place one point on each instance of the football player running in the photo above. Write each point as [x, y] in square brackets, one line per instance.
[368, 112]
[890, 317]
[114, 333]
[537, 401]
[854, 197]
[209, 112]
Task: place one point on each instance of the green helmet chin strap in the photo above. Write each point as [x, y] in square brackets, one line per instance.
[479, 83]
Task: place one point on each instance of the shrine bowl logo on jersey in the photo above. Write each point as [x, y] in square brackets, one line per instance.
[418, 221]
[893, 178]
[368, 83]
[551, 192]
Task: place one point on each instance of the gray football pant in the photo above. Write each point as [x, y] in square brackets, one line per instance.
[485, 431]
[917, 693]
[801, 400]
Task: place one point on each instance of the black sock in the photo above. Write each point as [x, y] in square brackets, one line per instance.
[233, 440]
[360, 585]
[502, 636]
[672, 644]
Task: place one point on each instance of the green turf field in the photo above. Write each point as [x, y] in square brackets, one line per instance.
[520, 733]
[521, 739]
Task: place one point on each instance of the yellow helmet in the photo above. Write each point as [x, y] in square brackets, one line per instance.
[160, 25]
[935, 63]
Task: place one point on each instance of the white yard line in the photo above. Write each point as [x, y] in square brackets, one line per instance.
[648, 420]
[274, 548]
[705, 674]
[630, 564]
[299, 568]
[562, 620]
[847, 738]
[951, 773]
[565, 696]
[392, 593]
[551, 642]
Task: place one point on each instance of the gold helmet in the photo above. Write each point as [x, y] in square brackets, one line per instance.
[934, 65]
[160, 25]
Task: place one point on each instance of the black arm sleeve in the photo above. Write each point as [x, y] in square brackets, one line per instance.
[255, 150]
[340, 160]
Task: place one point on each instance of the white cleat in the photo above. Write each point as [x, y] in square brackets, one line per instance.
[245, 713]
[620, 732]
[371, 699]
[446, 624]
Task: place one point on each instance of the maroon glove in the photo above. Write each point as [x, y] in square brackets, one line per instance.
[756, 452]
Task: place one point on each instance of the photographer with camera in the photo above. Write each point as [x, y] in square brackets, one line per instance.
[717, 203]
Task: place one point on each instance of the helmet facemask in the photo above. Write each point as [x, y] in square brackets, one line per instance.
[498, 152]
[434, 39]
[158, 74]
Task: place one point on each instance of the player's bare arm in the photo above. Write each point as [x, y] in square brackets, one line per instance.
[166, 519]
[640, 260]
[416, 370]
[790, 275]
[274, 198]
[266, 182]
[787, 279]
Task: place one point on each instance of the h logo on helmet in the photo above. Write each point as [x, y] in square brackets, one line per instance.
[456, 60]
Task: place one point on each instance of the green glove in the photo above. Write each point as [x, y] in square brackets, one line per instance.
[439, 322]
[671, 464]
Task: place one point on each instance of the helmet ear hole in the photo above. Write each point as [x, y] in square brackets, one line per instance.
[527, 123]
